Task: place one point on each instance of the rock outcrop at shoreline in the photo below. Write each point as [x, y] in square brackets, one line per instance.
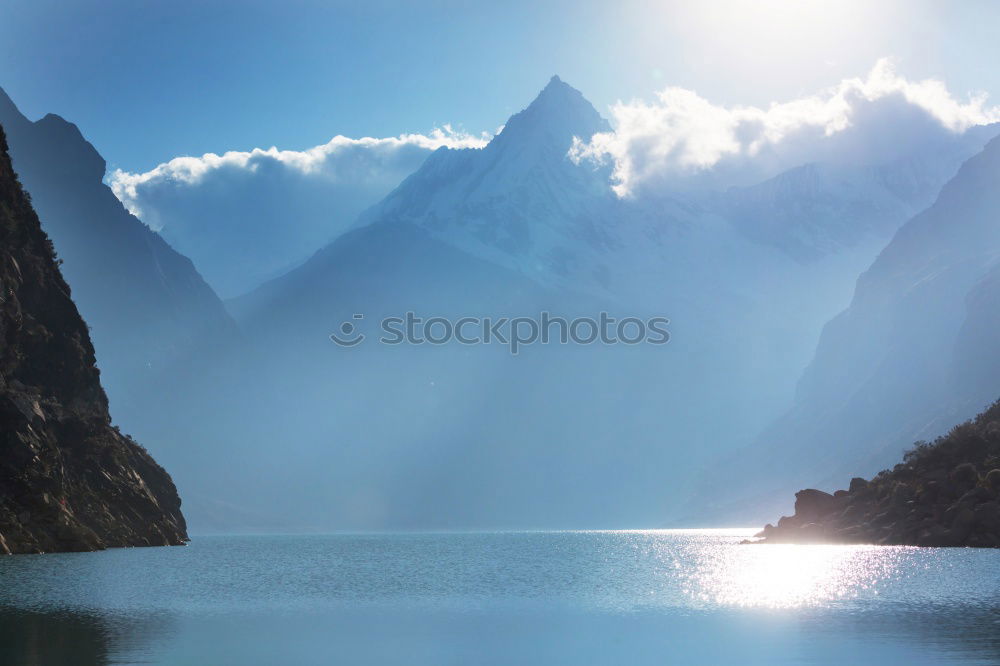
[69, 480]
[946, 493]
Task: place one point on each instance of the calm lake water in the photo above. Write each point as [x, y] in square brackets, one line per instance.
[648, 597]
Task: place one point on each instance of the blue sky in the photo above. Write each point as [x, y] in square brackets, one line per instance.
[150, 80]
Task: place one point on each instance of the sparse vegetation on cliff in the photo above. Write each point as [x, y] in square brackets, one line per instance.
[945, 493]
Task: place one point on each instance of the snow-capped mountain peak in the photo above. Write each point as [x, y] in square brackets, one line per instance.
[559, 113]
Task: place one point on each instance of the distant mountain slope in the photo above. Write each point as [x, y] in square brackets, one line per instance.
[68, 480]
[469, 436]
[245, 217]
[912, 354]
[149, 309]
[421, 436]
[817, 210]
[799, 239]
[977, 352]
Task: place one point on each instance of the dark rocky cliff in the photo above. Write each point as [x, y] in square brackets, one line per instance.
[153, 318]
[68, 479]
[943, 494]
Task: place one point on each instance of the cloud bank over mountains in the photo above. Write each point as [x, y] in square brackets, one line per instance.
[683, 137]
[335, 160]
[257, 213]
[247, 216]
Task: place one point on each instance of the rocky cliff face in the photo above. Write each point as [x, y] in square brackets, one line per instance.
[68, 480]
[942, 494]
[152, 316]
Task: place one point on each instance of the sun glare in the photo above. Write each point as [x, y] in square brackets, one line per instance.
[782, 576]
[780, 41]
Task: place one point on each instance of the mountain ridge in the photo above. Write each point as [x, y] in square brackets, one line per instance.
[891, 368]
[513, 229]
[148, 306]
[68, 480]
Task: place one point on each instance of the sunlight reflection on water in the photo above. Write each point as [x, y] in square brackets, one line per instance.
[787, 576]
[601, 597]
[708, 568]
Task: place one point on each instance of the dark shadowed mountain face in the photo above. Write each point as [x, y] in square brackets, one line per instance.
[68, 480]
[910, 357]
[151, 313]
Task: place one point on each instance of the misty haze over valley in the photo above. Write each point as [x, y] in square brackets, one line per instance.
[213, 285]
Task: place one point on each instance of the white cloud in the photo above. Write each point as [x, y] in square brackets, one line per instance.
[326, 160]
[245, 216]
[682, 134]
